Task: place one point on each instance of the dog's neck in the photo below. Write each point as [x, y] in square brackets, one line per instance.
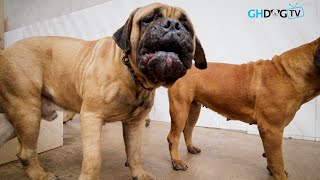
[145, 83]
[298, 64]
[126, 61]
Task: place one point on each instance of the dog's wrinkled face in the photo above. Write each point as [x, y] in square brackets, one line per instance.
[162, 43]
[165, 49]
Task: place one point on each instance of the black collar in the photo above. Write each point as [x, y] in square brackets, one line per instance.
[125, 61]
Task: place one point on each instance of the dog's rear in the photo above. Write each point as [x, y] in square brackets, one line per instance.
[6, 129]
[13, 63]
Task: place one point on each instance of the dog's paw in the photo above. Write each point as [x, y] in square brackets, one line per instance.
[271, 174]
[50, 176]
[148, 176]
[144, 176]
[147, 122]
[179, 165]
[269, 170]
[193, 149]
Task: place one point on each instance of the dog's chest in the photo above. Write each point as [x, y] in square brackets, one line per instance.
[130, 107]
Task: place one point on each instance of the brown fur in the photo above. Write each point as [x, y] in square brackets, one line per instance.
[266, 92]
[86, 77]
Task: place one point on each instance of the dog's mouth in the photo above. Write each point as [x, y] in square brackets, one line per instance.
[164, 57]
[162, 67]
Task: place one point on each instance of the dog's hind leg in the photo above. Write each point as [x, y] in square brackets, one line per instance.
[25, 115]
[194, 113]
[272, 142]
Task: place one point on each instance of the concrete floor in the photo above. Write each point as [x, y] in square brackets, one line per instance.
[225, 155]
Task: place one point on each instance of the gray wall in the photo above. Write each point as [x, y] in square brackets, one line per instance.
[25, 12]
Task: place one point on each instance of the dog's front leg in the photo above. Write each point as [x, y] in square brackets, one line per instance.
[91, 125]
[132, 135]
[272, 142]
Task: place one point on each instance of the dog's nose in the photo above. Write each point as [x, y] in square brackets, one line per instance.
[170, 24]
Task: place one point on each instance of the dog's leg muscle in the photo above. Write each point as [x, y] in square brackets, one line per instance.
[91, 125]
[272, 142]
[132, 134]
[194, 113]
[25, 117]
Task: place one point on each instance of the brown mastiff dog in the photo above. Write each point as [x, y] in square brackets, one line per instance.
[107, 80]
[266, 92]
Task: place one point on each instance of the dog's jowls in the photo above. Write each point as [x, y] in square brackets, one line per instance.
[266, 92]
[110, 79]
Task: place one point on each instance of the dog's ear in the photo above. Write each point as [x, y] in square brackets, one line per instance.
[317, 57]
[122, 35]
[199, 56]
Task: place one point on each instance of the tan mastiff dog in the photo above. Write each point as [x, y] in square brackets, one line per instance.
[107, 80]
[266, 92]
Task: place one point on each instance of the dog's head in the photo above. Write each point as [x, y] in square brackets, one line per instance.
[161, 43]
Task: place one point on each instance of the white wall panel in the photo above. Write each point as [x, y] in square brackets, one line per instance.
[161, 105]
[235, 125]
[23, 13]
[209, 118]
[253, 129]
[304, 124]
[227, 35]
[89, 24]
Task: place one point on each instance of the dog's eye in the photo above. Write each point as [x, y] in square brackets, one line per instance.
[147, 19]
[186, 23]
[187, 26]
